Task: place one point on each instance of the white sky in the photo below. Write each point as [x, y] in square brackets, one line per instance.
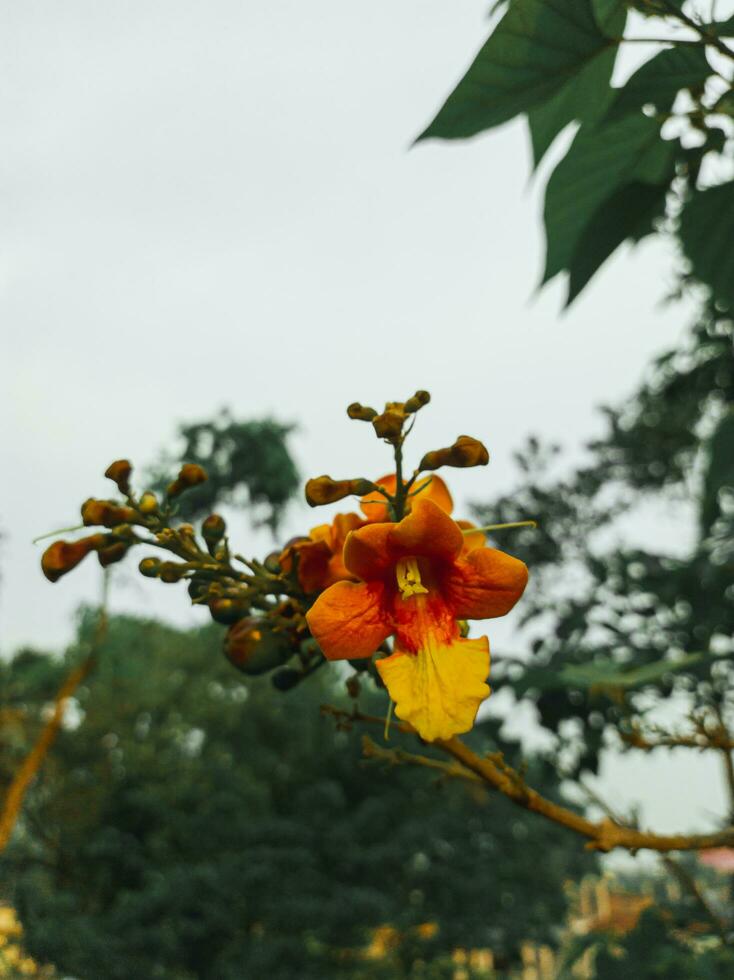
[208, 204]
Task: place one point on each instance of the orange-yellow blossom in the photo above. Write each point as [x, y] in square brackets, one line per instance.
[417, 580]
[374, 505]
[319, 556]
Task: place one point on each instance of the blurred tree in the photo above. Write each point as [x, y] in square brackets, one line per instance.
[247, 463]
[196, 824]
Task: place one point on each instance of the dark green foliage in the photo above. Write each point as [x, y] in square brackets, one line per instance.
[606, 620]
[554, 61]
[247, 463]
[201, 825]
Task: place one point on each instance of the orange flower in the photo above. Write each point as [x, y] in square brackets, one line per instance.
[320, 561]
[374, 505]
[417, 580]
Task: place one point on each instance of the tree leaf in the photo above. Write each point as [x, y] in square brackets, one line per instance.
[722, 28]
[707, 233]
[720, 471]
[611, 16]
[629, 213]
[660, 79]
[600, 160]
[536, 47]
[586, 98]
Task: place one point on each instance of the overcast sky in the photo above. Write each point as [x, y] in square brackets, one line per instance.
[209, 204]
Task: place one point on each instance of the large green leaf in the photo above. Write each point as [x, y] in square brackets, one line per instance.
[586, 97]
[600, 160]
[611, 16]
[629, 213]
[720, 471]
[722, 28]
[536, 47]
[707, 234]
[659, 80]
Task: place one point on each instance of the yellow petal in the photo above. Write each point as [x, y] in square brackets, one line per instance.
[438, 690]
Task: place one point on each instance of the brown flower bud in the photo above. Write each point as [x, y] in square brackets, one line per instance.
[228, 611]
[112, 553]
[190, 475]
[119, 472]
[466, 451]
[389, 425]
[60, 557]
[419, 399]
[148, 503]
[106, 513]
[362, 413]
[170, 571]
[253, 647]
[213, 529]
[323, 490]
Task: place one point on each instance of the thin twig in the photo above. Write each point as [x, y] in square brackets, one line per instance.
[605, 835]
[395, 757]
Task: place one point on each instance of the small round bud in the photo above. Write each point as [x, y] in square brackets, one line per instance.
[362, 413]
[227, 611]
[170, 571]
[148, 503]
[150, 567]
[254, 648]
[119, 472]
[213, 529]
[272, 562]
[197, 588]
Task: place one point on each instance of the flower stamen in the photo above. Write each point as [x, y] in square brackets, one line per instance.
[409, 578]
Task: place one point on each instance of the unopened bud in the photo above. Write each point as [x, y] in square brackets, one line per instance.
[190, 475]
[272, 562]
[213, 529]
[60, 557]
[466, 451]
[150, 567]
[323, 490]
[362, 413]
[119, 472]
[112, 553]
[286, 679]
[228, 611]
[148, 503]
[254, 648]
[389, 425]
[419, 399]
[170, 571]
[106, 513]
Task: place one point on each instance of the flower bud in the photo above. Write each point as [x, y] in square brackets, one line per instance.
[197, 588]
[362, 413]
[324, 490]
[228, 611]
[213, 530]
[170, 571]
[389, 425]
[190, 475]
[253, 647]
[148, 503]
[419, 399]
[272, 562]
[60, 557]
[112, 553]
[106, 513]
[119, 472]
[286, 679]
[150, 567]
[466, 451]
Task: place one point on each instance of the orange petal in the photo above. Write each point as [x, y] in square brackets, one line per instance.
[374, 505]
[438, 690]
[313, 565]
[348, 621]
[427, 531]
[485, 583]
[367, 552]
[340, 528]
[433, 488]
[473, 539]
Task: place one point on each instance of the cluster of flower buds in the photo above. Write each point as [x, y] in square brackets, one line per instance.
[264, 604]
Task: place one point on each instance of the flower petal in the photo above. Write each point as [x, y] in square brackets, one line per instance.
[438, 690]
[473, 538]
[348, 621]
[427, 531]
[485, 583]
[367, 552]
[374, 505]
